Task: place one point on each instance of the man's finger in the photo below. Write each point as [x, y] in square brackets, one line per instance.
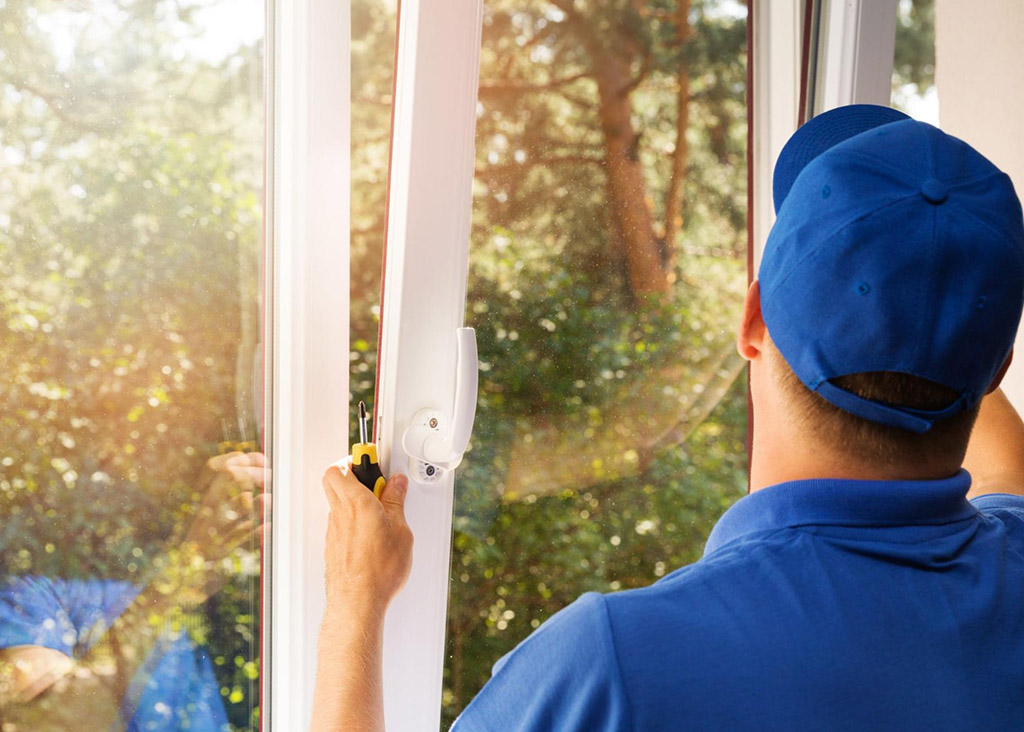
[217, 462]
[346, 486]
[393, 497]
[261, 504]
[246, 473]
[333, 488]
[240, 535]
[254, 459]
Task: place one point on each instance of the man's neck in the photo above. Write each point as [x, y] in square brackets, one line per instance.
[781, 458]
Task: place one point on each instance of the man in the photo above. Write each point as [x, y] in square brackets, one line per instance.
[856, 588]
[89, 654]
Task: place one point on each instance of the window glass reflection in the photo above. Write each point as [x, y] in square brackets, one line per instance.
[131, 471]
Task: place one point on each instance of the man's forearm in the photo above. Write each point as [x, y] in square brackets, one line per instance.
[349, 695]
[995, 454]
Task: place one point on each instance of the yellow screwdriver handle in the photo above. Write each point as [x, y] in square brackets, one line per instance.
[366, 468]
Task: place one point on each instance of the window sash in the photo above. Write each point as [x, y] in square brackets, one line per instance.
[426, 267]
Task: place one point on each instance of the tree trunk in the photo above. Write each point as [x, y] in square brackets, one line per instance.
[674, 209]
[627, 193]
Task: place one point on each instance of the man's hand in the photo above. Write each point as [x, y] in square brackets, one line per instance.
[231, 506]
[369, 555]
[228, 516]
[369, 544]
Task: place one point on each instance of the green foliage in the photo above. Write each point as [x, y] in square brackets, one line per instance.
[914, 61]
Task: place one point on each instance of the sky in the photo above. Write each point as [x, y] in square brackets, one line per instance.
[221, 27]
[228, 24]
[923, 107]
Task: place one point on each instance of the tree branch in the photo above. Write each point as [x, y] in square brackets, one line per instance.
[57, 109]
[645, 69]
[645, 11]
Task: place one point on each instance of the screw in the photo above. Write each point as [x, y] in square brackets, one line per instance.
[433, 423]
[431, 469]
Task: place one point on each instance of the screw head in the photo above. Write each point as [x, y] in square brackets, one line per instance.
[433, 423]
[430, 471]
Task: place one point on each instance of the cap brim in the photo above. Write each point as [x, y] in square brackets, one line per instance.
[819, 134]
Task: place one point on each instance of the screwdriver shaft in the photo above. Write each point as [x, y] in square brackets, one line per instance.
[364, 436]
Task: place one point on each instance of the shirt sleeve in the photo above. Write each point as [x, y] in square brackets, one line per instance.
[1000, 502]
[563, 677]
[31, 614]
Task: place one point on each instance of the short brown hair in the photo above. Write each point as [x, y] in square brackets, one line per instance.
[880, 444]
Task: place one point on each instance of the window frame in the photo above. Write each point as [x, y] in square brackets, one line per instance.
[426, 264]
[775, 58]
[855, 56]
[307, 233]
[809, 56]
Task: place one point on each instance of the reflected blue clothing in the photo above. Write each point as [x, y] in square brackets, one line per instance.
[178, 689]
[818, 605]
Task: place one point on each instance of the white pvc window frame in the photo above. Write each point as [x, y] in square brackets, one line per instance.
[775, 58]
[307, 225]
[859, 38]
[426, 267]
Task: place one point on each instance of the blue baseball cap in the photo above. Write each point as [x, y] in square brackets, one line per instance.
[896, 248]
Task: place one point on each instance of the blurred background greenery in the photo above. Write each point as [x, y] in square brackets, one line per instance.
[131, 150]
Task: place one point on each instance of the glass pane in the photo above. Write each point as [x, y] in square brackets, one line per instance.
[373, 55]
[913, 75]
[608, 268]
[131, 363]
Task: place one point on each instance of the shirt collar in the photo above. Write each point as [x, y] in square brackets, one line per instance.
[839, 502]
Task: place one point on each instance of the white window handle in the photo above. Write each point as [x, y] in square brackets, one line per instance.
[434, 441]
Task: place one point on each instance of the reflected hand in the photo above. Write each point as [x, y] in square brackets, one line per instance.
[228, 516]
[231, 507]
[369, 543]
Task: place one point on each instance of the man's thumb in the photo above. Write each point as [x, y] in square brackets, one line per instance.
[393, 496]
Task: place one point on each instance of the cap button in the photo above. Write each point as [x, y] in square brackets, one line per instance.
[934, 191]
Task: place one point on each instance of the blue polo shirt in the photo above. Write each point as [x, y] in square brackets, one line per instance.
[818, 605]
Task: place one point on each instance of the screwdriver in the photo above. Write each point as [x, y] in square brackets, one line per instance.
[364, 456]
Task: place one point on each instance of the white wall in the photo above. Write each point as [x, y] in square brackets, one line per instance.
[980, 80]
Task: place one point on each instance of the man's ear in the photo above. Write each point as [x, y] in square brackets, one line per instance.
[1002, 372]
[750, 339]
